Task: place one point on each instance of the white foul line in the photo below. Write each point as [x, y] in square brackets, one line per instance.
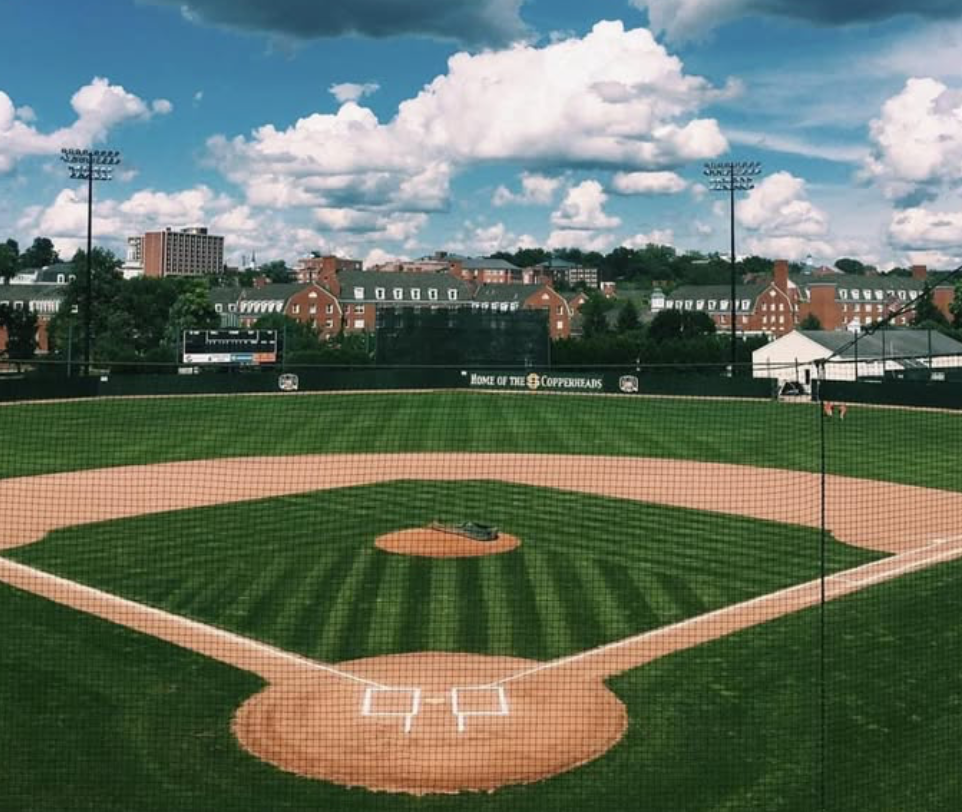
[135, 608]
[772, 596]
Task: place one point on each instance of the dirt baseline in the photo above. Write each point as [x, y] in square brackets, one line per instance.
[347, 710]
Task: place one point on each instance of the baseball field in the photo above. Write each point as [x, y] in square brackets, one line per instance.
[198, 615]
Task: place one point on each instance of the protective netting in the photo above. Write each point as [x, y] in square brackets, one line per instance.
[551, 598]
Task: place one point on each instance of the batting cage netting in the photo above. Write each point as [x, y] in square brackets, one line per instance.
[477, 589]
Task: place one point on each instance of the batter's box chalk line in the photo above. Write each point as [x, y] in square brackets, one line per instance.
[405, 703]
[380, 701]
[482, 701]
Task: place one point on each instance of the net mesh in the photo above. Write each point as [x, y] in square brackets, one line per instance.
[285, 600]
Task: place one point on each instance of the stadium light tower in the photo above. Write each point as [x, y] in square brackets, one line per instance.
[731, 177]
[90, 165]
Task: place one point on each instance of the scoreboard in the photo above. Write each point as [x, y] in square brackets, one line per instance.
[230, 347]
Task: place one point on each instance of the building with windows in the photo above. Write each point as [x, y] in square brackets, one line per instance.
[838, 301]
[505, 298]
[42, 299]
[569, 273]
[311, 304]
[319, 269]
[361, 293]
[189, 252]
[487, 271]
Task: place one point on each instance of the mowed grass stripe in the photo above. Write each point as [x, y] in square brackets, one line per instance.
[384, 633]
[337, 626]
[416, 606]
[528, 630]
[443, 624]
[362, 612]
[639, 615]
[301, 625]
[472, 607]
[578, 611]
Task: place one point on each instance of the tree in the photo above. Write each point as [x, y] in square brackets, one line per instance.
[594, 315]
[9, 260]
[40, 254]
[850, 266]
[628, 317]
[810, 322]
[20, 325]
[192, 310]
[927, 314]
[277, 271]
[674, 324]
[956, 307]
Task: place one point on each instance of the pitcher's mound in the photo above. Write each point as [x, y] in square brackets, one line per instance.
[433, 543]
[333, 729]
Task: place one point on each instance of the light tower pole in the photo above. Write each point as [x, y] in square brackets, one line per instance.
[89, 165]
[732, 176]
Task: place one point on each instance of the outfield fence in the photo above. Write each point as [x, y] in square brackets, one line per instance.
[476, 589]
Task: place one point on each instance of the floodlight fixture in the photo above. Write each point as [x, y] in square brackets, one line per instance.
[89, 165]
[731, 177]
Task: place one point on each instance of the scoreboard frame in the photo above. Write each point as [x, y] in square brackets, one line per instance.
[237, 347]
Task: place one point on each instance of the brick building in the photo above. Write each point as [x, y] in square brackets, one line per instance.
[506, 298]
[839, 301]
[361, 293]
[43, 299]
[318, 269]
[310, 304]
[189, 252]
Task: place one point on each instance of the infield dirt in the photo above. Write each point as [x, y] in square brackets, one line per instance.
[309, 721]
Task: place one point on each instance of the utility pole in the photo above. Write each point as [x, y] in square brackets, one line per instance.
[89, 165]
[732, 176]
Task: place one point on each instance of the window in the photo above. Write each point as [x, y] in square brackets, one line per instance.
[712, 304]
[689, 304]
[560, 310]
[416, 294]
[878, 295]
[867, 294]
[231, 308]
[723, 305]
[329, 309]
[902, 295]
[398, 294]
[218, 308]
[296, 309]
[843, 294]
[358, 293]
[329, 323]
[856, 294]
[358, 309]
[358, 324]
[746, 304]
[433, 294]
[313, 310]
[700, 304]
[560, 325]
[379, 294]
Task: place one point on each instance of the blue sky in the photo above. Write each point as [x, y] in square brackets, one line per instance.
[384, 128]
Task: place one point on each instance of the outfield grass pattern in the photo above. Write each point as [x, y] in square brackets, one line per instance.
[68, 436]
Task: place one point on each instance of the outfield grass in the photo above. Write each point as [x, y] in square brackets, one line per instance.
[97, 717]
[907, 446]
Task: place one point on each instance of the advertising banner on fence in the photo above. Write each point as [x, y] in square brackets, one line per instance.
[536, 381]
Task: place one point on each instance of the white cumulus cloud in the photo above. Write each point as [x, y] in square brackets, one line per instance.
[648, 183]
[352, 91]
[917, 142]
[583, 209]
[99, 106]
[660, 236]
[536, 190]
[922, 230]
[614, 97]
